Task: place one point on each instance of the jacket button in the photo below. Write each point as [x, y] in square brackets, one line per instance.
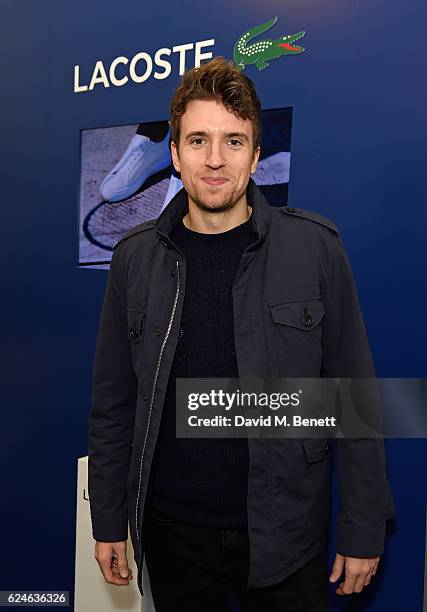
[326, 449]
[307, 320]
[157, 332]
[133, 334]
[145, 397]
[172, 272]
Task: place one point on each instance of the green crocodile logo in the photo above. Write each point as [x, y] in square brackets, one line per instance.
[260, 52]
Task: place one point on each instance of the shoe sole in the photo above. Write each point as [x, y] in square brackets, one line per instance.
[137, 184]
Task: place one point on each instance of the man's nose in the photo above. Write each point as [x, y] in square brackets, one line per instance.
[214, 155]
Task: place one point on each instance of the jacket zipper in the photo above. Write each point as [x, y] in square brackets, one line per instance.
[153, 394]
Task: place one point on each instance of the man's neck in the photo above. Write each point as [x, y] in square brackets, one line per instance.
[206, 222]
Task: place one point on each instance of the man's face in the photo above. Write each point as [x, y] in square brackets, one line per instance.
[215, 157]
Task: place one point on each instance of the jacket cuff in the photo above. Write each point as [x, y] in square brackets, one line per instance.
[361, 542]
[109, 529]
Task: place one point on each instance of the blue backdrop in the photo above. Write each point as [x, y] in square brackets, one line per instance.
[358, 94]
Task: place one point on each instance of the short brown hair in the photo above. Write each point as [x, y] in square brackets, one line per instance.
[220, 80]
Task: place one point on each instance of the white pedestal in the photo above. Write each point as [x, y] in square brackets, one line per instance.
[91, 590]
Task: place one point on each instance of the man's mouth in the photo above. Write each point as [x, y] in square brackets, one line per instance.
[214, 181]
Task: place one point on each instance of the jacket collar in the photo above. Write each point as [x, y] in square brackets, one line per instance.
[178, 207]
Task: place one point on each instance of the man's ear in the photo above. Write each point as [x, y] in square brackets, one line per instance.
[255, 159]
[175, 157]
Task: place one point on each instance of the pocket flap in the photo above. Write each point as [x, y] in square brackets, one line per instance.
[302, 314]
[135, 324]
[315, 449]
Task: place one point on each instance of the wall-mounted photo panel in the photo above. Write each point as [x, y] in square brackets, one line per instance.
[127, 177]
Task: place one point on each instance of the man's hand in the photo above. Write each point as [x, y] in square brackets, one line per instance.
[358, 573]
[113, 563]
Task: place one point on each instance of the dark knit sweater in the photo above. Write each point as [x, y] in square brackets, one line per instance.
[204, 481]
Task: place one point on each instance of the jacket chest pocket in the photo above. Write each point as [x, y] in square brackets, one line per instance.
[135, 331]
[296, 343]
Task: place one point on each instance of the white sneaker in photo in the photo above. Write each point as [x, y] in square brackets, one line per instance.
[273, 169]
[142, 159]
[175, 185]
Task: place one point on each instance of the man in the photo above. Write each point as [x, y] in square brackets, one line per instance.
[223, 285]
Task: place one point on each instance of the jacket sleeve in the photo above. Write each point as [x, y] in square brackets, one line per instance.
[112, 414]
[365, 497]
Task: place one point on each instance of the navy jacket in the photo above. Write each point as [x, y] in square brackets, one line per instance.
[297, 260]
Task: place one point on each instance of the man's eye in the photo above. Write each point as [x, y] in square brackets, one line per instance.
[198, 141]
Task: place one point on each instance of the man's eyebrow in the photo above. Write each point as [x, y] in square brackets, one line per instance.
[241, 135]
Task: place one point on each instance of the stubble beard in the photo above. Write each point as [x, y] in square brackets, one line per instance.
[203, 203]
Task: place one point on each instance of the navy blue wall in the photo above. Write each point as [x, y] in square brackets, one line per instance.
[358, 156]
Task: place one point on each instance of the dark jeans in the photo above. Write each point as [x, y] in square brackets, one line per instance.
[196, 569]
